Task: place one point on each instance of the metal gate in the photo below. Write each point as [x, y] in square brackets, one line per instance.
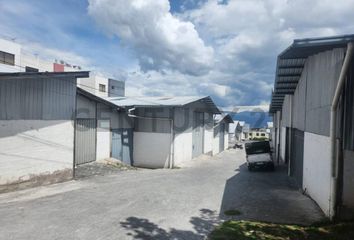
[85, 141]
[122, 145]
[221, 137]
[297, 155]
[198, 134]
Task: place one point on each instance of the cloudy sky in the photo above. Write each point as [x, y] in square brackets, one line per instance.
[222, 48]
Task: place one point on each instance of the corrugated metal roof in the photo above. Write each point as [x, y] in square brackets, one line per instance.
[220, 117]
[291, 61]
[162, 101]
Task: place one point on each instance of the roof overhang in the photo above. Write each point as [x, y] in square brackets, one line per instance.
[95, 98]
[158, 102]
[291, 62]
[17, 75]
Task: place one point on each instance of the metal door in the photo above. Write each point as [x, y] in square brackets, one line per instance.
[198, 134]
[122, 145]
[222, 137]
[297, 155]
[85, 141]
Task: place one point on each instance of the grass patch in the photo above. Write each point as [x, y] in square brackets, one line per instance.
[247, 230]
[232, 212]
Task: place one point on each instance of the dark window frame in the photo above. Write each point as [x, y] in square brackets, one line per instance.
[102, 87]
[7, 58]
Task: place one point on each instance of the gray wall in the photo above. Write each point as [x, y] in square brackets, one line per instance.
[153, 125]
[286, 121]
[314, 93]
[37, 99]
[116, 88]
[87, 109]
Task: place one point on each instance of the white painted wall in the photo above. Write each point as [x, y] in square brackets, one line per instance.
[151, 150]
[208, 139]
[216, 142]
[103, 147]
[348, 179]
[34, 147]
[226, 140]
[317, 169]
[182, 148]
[33, 61]
[13, 48]
[282, 143]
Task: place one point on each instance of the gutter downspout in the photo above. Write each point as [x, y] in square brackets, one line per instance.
[333, 125]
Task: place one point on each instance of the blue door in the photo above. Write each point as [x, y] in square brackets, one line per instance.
[117, 147]
[122, 145]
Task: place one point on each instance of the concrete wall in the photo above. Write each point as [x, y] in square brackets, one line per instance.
[37, 129]
[30, 60]
[226, 137]
[103, 147]
[317, 173]
[13, 48]
[208, 133]
[282, 143]
[151, 150]
[216, 143]
[183, 148]
[116, 88]
[36, 151]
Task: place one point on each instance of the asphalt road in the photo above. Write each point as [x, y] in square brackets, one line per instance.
[154, 204]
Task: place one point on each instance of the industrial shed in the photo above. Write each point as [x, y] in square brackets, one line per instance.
[103, 130]
[169, 131]
[221, 132]
[312, 107]
[37, 114]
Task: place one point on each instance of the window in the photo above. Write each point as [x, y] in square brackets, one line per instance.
[7, 58]
[30, 69]
[263, 134]
[257, 134]
[112, 87]
[102, 88]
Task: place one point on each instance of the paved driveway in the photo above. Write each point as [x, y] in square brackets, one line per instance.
[154, 204]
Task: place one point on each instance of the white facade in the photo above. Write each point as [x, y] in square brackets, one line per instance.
[36, 129]
[35, 148]
[316, 169]
[12, 48]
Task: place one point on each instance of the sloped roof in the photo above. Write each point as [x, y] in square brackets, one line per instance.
[291, 62]
[226, 117]
[162, 101]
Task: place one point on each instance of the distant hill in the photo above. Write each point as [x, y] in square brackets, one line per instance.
[254, 119]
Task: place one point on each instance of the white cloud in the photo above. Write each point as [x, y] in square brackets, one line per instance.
[161, 40]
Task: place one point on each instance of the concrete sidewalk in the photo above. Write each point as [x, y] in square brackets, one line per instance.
[154, 204]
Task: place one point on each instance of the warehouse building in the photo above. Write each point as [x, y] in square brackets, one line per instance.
[37, 119]
[103, 130]
[312, 107]
[169, 131]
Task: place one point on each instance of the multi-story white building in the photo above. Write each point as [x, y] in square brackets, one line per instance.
[13, 58]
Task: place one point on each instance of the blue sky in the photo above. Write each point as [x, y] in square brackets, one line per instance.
[225, 49]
